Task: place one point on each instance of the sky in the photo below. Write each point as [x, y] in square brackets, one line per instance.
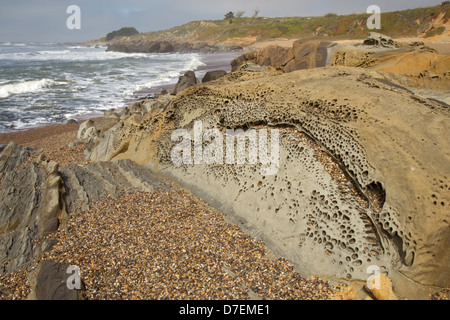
[46, 20]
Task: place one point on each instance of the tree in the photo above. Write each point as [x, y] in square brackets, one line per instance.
[124, 32]
[229, 15]
[255, 14]
[239, 14]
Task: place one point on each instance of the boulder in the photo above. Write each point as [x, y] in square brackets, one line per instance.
[250, 66]
[30, 208]
[51, 283]
[274, 56]
[72, 121]
[83, 130]
[302, 55]
[308, 55]
[383, 289]
[380, 40]
[98, 127]
[239, 61]
[213, 75]
[188, 80]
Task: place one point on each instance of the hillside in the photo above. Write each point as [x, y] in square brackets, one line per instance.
[219, 34]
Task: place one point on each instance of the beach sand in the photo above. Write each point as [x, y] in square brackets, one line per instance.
[52, 142]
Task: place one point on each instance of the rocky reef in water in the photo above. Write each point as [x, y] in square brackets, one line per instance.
[141, 45]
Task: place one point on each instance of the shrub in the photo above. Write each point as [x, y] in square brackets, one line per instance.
[435, 32]
[124, 32]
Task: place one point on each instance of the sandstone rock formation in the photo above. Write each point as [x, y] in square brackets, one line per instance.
[380, 40]
[303, 55]
[413, 65]
[382, 290]
[359, 183]
[186, 81]
[415, 68]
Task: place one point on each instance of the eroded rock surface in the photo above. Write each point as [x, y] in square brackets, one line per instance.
[363, 174]
[30, 208]
[302, 55]
[413, 65]
[187, 80]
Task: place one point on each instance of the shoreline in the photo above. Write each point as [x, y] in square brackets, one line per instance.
[221, 61]
[212, 61]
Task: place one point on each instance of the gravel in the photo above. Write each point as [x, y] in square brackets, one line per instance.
[170, 245]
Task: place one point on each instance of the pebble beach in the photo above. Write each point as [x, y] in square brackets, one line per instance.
[166, 244]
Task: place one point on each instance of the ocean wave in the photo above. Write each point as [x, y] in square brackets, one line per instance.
[193, 64]
[51, 52]
[29, 123]
[50, 83]
[121, 55]
[7, 90]
[13, 44]
[71, 55]
[170, 75]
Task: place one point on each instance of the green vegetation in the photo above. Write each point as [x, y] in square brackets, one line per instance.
[124, 32]
[404, 23]
[435, 32]
[229, 15]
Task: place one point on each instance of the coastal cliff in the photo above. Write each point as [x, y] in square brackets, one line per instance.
[235, 34]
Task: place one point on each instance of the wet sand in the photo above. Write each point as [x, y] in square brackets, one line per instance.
[50, 142]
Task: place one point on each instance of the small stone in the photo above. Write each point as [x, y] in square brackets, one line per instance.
[382, 290]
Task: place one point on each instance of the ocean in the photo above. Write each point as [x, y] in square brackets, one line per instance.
[49, 83]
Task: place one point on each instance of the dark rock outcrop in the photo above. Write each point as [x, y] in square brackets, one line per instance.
[380, 40]
[51, 283]
[30, 207]
[213, 75]
[143, 46]
[188, 80]
[36, 198]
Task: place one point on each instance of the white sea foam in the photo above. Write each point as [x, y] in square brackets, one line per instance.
[96, 80]
[7, 90]
[70, 55]
[194, 63]
[13, 44]
[19, 124]
[162, 75]
[50, 52]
